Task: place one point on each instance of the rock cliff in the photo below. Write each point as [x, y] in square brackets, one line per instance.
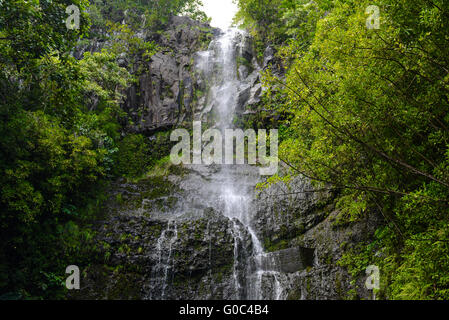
[167, 237]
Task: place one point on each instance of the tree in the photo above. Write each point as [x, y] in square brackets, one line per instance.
[31, 29]
[369, 115]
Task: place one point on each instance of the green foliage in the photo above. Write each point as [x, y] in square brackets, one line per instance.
[367, 112]
[262, 18]
[104, 80]
[152, 14]
[280, 22]
[60, 135]
[125, 41]
[132, 156]
[31, 29]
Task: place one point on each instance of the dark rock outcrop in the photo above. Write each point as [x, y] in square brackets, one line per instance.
[159, 247]
[165, 93]
[289, 260]
[294, 216]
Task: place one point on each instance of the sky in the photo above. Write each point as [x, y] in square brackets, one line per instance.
[221, 12]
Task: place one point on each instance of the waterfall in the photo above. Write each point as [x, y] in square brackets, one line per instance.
[165, 264]
[211, 236]
[235, 183]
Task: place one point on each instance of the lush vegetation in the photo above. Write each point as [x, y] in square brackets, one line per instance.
[362, 112]
[367, 116]
[61, 131]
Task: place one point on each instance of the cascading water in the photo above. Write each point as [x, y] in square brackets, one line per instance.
[229, 190]
[164, 247]
[235, 183]
[194, 231]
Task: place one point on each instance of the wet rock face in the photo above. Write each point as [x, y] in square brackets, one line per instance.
[299, 224]
[165, 93]
[230, 59]
[283, 211]
[172, 90]
[289, 260]
[327, 280]
[156, 248]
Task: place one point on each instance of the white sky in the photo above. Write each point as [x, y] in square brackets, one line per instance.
[221, 12]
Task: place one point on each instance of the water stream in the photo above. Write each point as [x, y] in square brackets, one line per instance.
[228, 189]
[236, 185]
